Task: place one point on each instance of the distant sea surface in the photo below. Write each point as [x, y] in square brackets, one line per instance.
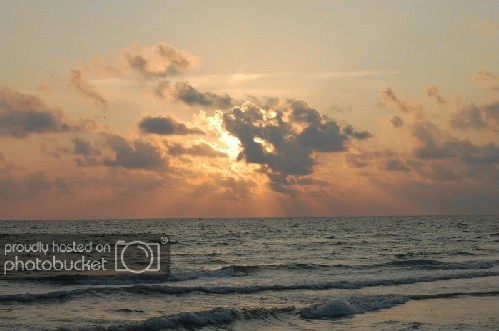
[345, 273]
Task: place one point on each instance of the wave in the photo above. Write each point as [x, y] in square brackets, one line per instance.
[357, 305]
[333, 309]
[246, 270]
[452, 295]
[146, 289]
[435, 264]
[131, 279]
[195, 320]
[352, 306]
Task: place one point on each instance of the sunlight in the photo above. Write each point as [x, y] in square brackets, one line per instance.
[232, 143]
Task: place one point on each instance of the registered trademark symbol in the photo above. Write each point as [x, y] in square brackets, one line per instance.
[164, 240]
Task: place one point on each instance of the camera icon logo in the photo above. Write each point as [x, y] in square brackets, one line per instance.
[136, 256]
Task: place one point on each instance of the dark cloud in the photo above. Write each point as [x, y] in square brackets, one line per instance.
[388, 97]
[156, 61]
[9, 188]
[476, 117]
[433, 92]
[467, 160]
[87, 161]
[326, 137]
[61, 184]
[257, 134]
[7, 168]
[22, 114]
[51, 147]
[356, 134]
[275, 141]
[322, 135]
[28, 185]
[388, 159]
[264, 102]
[81, 84]
[397, 122]
[166, 126]
[447, 198]
[442, 173]
[159, 89]
[200, 149]
[235, 189]
[302, 112]
[219, 188]
[37, 182]
[184, 92]
[395, 165]
[136, 155]
[488, 154]
[82, 147]
[357, 160]
[428, 133]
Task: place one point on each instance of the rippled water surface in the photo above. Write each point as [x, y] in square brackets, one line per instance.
[277, 274]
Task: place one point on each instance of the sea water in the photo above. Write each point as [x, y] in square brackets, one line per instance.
[345, 273]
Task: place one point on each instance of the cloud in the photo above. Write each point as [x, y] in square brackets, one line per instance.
[166, 126]
[81, 84]
[219, 187]
[433, 92]
[184, 92]
[340, 109]
[7, 168]
[357, 160]
[136, 155]
[26, 185]
[82, 147]
[484, 155]
[487, 79]
[451, 147]
[476, 117]
[430, 135]
[397, 121]
[87, 161]
[359, 135]
[22, 115]
[388, 97]
[324, 138]
[202, 149]
[37, 182]
[395, 165]
[157, 61]
[283, 139]
[8, 189]
[387, 160]
[159, 89]
[447, 197]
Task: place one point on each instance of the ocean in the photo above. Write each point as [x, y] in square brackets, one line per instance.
[342, 273]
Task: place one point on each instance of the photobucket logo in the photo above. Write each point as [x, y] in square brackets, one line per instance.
[43, 255]
[54, 264]
[137, 256]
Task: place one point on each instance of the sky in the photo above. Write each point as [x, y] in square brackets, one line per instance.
[126, 109]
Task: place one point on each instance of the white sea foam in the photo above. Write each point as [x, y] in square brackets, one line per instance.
[352, 306]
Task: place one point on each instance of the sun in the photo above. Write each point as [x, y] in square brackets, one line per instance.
[233, 145]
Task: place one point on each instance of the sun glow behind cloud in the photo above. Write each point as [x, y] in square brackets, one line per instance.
[295, 122]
